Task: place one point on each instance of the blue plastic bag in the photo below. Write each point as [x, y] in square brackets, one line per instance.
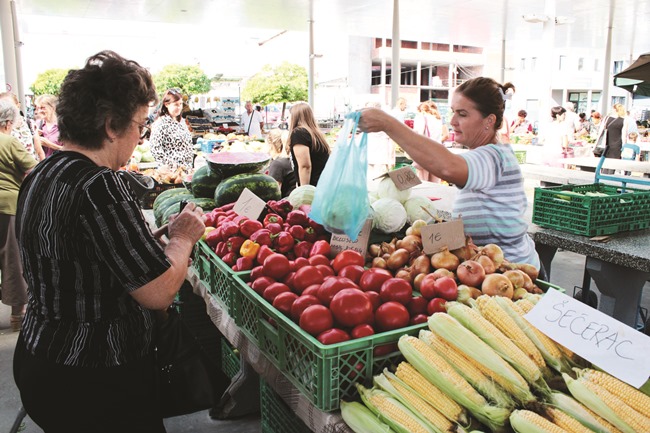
[341, 202]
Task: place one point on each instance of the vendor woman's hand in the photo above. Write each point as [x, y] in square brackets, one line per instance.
[374, 120]
[188, 224]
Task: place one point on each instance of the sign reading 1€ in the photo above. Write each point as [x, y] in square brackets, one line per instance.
[249, 205]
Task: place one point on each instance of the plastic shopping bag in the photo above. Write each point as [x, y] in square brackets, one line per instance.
[341, 202]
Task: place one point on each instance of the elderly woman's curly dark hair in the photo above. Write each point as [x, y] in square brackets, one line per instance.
[107, 91]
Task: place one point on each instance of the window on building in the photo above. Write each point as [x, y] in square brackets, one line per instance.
[563, 61]
[618, 66]
[596, 66]
[426, 46]
[581, 63]
[410, 45]
[533, 63]
[522, 66]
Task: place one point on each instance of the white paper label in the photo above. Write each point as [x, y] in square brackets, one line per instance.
[602, 340]
[249, 205]
[450, 234]
[339, 243]
[404, 178]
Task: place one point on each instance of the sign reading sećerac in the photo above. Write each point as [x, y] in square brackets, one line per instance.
[339, 243]
[613, 346]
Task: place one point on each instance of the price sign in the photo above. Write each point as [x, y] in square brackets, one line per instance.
[404, 178]
[339, 243]
[604, 341]
[449, 234]
[249, 205]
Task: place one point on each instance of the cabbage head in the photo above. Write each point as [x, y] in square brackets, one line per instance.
[302, 195]
[387, 189]
[414, 209]
[389, 216]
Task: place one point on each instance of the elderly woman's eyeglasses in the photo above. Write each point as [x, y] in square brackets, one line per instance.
[143, 128]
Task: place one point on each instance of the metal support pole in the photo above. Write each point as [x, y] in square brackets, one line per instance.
[8, 47]
[607, 67]
[310, 75]
[396, 67]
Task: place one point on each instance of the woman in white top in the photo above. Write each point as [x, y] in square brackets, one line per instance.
[171, 140]
[556, 138]
[428, 122]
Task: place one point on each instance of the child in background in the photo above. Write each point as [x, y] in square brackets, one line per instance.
[630, 150]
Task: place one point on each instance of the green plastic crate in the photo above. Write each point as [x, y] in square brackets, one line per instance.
[218, 276]
[521, 156]
[230, 363]
[276, 416]
[567, 209]
[325, 374]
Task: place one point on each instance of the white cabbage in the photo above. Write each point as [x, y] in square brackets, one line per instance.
[414, 209]
[372, 196]
[387, 189]
[302, 195]
[389, 216]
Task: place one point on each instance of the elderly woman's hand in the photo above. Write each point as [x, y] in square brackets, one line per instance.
[187, 225]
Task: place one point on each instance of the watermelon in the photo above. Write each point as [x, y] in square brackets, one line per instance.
[160, 209]
[204, 182]
[229, 164]
[207, 204]
[263, 186]
[166, 194]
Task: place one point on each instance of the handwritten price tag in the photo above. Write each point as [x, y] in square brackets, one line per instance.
[449, 234]
[339, 243]
[249, 205]
[404, 178]
[611, 345]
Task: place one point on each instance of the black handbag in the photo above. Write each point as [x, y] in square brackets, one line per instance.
[184, 378]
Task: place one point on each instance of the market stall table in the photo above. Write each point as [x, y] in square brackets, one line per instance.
[609, 163]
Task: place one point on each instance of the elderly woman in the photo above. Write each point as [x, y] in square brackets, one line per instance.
[95, 271]
[492, 199]
[171, 140]
[48, 128]
[22, 131]
[15, 163]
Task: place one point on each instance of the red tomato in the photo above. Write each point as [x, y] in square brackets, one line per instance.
[333, 336]
[446, 288]
[363, 330]
[428, 286]
[316, 319]
[288, 279]
[319, 259]
[273, 290]
[299, 263]
[352, 272]
[301, 303]
[256, 272]
[284, 301]
[417, 305]
[326, 270]
[373, 278]
[320, 248]
[305, 277]
[396, 289]
[331, 286]
[351, 307]
[391, 315]
[436, 305]
[311, 290]
[374, 299]
[347, 257]
[418, 318]
[261, 283]
[276, 266]
[385, 349]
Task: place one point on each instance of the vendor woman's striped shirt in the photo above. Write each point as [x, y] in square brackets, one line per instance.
[493, 202]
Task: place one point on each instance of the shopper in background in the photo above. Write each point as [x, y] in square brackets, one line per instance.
[521, 125]
[617, 126]
[171, 140]
[22, 130]
[308, 145]
[94, 270]
[595, 125]
[570, 117]
[15, 163]
[428, 123]
[556, 138]
[252, 123]
[584, 126]
[280, 168]
[504, 131]
[47, 126]
[399, 112]
[491, 200]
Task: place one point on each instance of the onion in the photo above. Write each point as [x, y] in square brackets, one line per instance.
[497, 285]
[417, 227]
[410, 243]
[466, 252]
[374, 250]
[494, 252]
[442, 272]
[418, 280]
[379, 262]
[421, 264]
[405, 274]
[388, 247]
[475, 292]
[528, 283]
[445, 259]
[464, 294]
[530, 270]
[398, 259]
[470, 273]
[517, 279]
[519, 294]
[487, 264]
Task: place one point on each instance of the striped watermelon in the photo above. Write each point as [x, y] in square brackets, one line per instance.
[204, 182]
[263, 186]
[229, 164]
[207, 204]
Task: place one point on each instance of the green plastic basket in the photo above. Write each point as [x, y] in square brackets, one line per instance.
[325, 374]
[218, 276]
[521, 156]
[276, 416]
[230, 364]
[567, 209]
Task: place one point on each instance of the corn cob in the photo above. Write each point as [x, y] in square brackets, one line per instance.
[494, 311]
[469, 369]
[525, 305]
[565, 421]
[431, 394]
[361, 419]
[607, 405]
[547, 347]
[525, 421]
[633, 397]
[586, 416]
[414, 402]
[433, 367]
[392, 412]
[469, 341]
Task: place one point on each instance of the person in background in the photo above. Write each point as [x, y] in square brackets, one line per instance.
[382, 158]
[428, 123]
[47, 126]
[504, 131]
[15, 163]
[22, 130]
[308, 145]
[399, 112]
[631, 122]
[96, 274]
[280, 168]
[584, 126]
[556, 138]
[630, 151]
[492, 199]
[252, 123]
[595, 125]
[521, 125]
[570, 117]
[617, 126]
[171, 140]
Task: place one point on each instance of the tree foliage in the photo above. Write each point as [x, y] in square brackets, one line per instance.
[284, 83]
[49, 82]
[190, 79]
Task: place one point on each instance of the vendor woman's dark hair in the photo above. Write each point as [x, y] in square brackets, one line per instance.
[556, 111]
[171, 95]
[107, 91]
[488, 95]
